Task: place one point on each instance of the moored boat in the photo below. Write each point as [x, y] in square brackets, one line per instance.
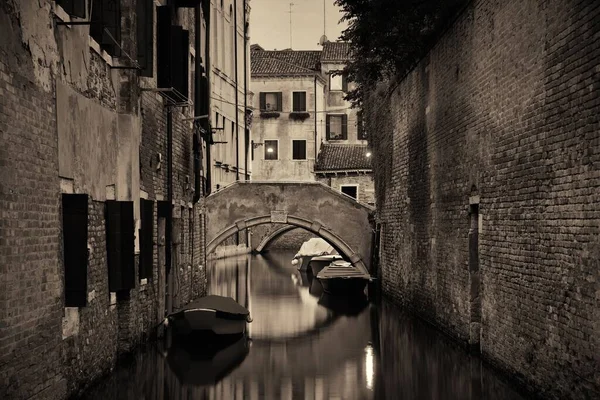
[314, 247]
[318, 263]
[341, 278]
[216, 315]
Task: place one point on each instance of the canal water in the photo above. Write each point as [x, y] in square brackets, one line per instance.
[306, 345]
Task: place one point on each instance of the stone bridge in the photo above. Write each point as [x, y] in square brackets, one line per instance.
[314, 206]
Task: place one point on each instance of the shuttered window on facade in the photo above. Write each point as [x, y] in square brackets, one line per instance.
[74, 8]
[120, 237]
[106, 25]
[299, 149]
[271, 101]
[337, 127]
[299, 102]
[146, 239]
[172, 54]
[145, 36]
[75, 251]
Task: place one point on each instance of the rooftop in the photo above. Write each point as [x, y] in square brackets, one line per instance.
[341, 157]
[284, 62]
[335, 52]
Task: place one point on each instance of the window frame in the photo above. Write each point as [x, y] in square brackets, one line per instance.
[344, 125]
[354, 185]
[276, 150]
[305, 150]
[294, 110]
[343, 81]
[263, 101]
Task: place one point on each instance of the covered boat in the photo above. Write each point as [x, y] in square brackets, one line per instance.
[314, 247]
[207, 365]
[317, 264]
[216, 315]
[342, 278]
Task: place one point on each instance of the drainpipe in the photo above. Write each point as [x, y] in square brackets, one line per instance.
[246, 132]
[197, 105]
[315, 120]
[169, 219]
[237, 113]
[208, 72]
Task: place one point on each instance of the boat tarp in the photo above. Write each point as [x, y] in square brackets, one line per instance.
[218, 303]
[315, 247]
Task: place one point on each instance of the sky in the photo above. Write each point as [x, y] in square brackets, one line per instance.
[270, 23]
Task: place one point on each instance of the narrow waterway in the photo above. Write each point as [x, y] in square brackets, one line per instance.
[306, 345]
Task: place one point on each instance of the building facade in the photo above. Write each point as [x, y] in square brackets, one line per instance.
[101, 170]
[228, 159]
[304, 129]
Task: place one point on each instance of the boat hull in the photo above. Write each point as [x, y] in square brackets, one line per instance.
[318, 263]
[303, 263]
[343, 285]
[207, 321]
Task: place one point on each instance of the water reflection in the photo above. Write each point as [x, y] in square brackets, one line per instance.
[306, 345]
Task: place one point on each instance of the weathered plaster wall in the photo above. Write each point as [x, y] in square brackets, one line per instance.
[312, 202]
[502, 112]
[366, 188]
[284, 130]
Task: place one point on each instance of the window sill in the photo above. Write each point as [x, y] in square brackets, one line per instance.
[102, 53]
[61, 14]
[270, 114]
[299, 116]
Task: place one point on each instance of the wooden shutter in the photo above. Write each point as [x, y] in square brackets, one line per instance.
[295, 101]
[106, 16]
[299, 150]
[145, 36]
[128, 249]
[120, 238]
[163, 46]
[180, 49]
[263, 101]
[344, 83]
[73, 7]
[75, 234]
[279, 102]
[113, 245]
[345, 127]
[302, 101]
[328, 127]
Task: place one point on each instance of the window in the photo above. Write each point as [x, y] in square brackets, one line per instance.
[337, 127]
[350, 190]
[271, 150]
[299, 101]
[146, 239]
[106, 25]
[173, 45]
[145, 36]
[361, 133]
[299, 149]
[120, 236]
[270, 101]
[75, 231]
[75, 8]
[338, 83]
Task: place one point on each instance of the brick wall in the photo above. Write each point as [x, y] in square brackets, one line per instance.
[48, 351]
[502, 113]
[30, 272]
[366, 187]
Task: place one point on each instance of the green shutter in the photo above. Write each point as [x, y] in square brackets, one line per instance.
[345, 127]
[328, 127]
[279, 102]
[145, 36]
[263, 101]
[75, 252]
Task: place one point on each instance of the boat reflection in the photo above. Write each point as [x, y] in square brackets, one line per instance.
[306, 347]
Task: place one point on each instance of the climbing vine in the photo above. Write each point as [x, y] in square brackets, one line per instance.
[388, 37]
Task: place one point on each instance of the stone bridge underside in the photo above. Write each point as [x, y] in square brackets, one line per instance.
[337, 218]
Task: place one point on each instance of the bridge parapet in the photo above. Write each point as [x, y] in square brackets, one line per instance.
[314, 206]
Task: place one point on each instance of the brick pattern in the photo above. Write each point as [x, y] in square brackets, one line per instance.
[504, 107]
[366, 193]
[30, 273]
[35, 361]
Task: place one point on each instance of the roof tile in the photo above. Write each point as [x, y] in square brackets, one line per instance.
[335, 51]
[340, 157]
[284, 62]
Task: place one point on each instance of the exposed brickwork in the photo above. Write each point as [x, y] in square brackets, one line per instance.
[36, 362]
[504, 107]
[366, 193]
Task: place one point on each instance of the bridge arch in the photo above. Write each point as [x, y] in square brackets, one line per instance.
[313, 206]
[273, 236]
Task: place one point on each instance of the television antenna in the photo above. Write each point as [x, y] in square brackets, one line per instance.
[291, 4]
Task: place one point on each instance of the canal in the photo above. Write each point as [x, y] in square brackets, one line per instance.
[306, 345]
